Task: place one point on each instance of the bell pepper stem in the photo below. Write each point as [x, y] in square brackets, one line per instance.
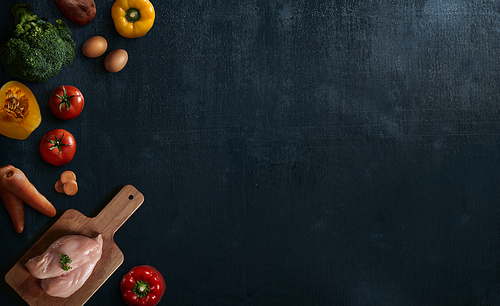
[133, 14]
[141, 288]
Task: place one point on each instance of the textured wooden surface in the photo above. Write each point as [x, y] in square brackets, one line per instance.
[121, 207]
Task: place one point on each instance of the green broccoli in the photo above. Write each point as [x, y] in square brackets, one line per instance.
[38, 50]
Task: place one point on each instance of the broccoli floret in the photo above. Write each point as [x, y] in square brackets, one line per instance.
[37, 49]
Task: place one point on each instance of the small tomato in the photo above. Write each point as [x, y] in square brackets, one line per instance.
[66, 102]
[57, 147]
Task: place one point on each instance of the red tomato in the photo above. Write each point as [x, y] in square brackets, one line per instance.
[66, 102]
[58, 147]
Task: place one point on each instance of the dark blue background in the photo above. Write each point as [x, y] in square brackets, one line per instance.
[290, 152]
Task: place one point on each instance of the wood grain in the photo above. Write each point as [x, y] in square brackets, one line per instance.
[109, 220]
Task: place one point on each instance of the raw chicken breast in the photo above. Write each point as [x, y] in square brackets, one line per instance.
[83, 250]
[77, 247]
[66, 284]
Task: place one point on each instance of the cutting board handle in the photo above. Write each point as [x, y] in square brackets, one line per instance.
[119, 209]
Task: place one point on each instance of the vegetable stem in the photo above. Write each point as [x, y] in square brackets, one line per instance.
[65, 100]
[57, 143]
[141, 288]
[133, 14]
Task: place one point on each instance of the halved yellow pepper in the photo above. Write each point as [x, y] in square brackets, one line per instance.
[133, 18]
[19, 111]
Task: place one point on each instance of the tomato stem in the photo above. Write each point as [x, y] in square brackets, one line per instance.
[57, 143]
[65, 100]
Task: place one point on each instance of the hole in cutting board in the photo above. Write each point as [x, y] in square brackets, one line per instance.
[130, 197]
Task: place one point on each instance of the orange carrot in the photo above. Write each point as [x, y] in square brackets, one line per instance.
[67, 175]
[17, 183]
[59, 186]
[15, 208]
[71, 187]
[13, 204]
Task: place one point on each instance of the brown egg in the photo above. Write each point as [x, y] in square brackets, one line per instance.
[116, 60]
[95, 46]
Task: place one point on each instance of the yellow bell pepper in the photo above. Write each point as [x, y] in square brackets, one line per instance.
[19, 111]
[133, 18]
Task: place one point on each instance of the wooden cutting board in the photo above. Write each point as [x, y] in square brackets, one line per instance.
[109, 220]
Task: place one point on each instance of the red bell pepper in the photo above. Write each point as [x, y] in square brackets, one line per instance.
[143, 286]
